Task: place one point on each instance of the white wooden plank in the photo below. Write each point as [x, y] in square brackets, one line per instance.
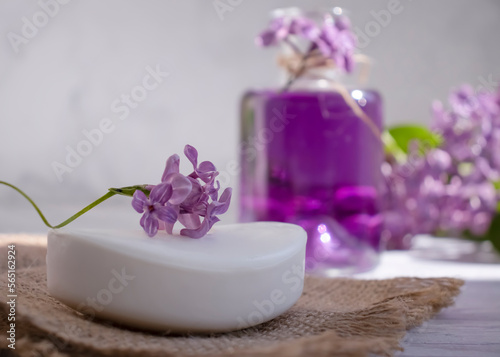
[470, 328]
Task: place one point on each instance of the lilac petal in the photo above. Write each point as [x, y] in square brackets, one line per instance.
[207, 166]
[150, 224]
[311, 32]
[326, 40]
[282, 33]
[277, 23]
[181, 188]
[463, 101]
[213, 191]
[280, 27]
[161, 193]
[488, 102]
[324, 47]
[226, 195]
[222, 205]
[193, 175]
[439, 159]
[337, 43]
[342, 23]
[270, 36]
[169, 227]
[198, 232]
[207, 176]
[194, 196]
[212, 209]
[192, 155]
[207, 171]
[329, 34]
[139, 201]
[212, 221]
[171, 167]
[190, 220]
[266, 38]
[201, 207]
[304, 27]
[166, 214]
[480, 223]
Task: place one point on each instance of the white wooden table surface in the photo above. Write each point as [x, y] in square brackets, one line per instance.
[470, 328]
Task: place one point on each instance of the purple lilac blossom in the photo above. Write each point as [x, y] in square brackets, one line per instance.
[155, 208]
[450, 189]
[332, 36]
[183, 198]
[337, 42]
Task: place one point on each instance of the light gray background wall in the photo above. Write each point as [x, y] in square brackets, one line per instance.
[64, 79]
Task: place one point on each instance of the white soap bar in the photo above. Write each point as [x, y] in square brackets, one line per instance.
[235, 277]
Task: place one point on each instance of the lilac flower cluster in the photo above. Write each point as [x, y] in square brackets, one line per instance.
[450, 189]
[332, 37]
[183, 198]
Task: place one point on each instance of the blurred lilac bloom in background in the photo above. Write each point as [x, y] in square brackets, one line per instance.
[450, 189]
[331, 37]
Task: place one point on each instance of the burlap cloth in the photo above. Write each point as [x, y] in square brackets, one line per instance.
[334, 317]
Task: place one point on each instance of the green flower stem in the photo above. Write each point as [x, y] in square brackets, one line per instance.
[69, 220]
[130, 190]
[78, 214]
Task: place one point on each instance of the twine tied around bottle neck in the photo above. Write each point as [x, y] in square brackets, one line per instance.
[311, 66]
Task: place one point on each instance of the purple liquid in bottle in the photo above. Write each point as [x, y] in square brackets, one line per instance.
[307, 158]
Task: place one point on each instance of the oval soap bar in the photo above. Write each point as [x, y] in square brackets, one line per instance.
[235, 277]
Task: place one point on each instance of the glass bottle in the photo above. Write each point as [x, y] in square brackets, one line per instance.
[308, 158]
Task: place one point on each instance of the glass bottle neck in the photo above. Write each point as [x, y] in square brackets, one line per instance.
[319, 79]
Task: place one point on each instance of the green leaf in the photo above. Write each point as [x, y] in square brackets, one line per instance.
[496, 184]
[403, 134]
[494, 232]
[392, 147]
